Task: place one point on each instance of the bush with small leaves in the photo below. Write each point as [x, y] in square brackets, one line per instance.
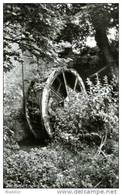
[90, 118]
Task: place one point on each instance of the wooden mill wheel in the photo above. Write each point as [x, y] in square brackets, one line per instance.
[43, 97]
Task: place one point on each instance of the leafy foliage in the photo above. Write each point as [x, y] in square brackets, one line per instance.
[102, 102]
[88, 17]
[30, 27]
[93, 20]
[92, 117]
[38, 27]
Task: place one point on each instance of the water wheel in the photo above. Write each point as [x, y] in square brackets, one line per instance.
[43, 97]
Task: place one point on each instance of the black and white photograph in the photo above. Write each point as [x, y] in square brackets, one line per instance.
[61, 95]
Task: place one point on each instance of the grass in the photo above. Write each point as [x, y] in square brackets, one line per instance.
[57, 165]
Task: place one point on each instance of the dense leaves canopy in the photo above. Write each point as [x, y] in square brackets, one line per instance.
[30, 27]
[38, 27]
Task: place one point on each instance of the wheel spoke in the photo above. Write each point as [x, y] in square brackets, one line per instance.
[81, 88]
[76, 80]
[65, 82]
[77, 85]
[56, 94]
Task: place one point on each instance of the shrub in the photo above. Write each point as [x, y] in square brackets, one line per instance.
[90, 119]
[103, 106]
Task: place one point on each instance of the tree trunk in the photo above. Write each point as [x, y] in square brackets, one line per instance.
[103, 44]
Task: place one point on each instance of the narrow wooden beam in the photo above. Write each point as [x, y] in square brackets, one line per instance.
[57, 94]
[76, 80]
[65, 82]
[99, 71]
